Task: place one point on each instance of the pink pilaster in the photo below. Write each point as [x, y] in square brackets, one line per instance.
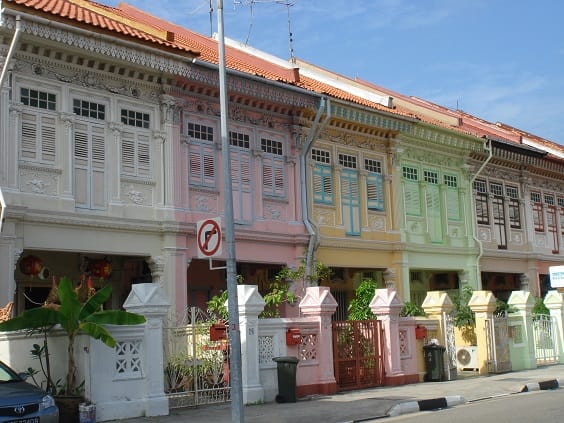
[318, 303]
[387, 305]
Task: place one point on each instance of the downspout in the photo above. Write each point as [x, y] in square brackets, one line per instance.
[11, 51]
[313, 235]
[488, 148]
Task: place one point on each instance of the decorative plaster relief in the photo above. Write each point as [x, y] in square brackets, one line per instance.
[415, 227]
[204, 202]
[377, 223]
[540, 240]
[139, 194]
[484, 234]
[38, 182]
[454, 232]
[325, 217]
[517, 238]
[273, 211]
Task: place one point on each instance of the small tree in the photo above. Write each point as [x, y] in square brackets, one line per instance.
[359, 307]
[75, 318]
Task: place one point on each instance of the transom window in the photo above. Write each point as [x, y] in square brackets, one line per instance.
[372, 165]
[347, 160]
[451, 181]
[560, 202]
[238, 139]
[512, 192]
[431, 177]
[200, 132]
[321, 156]
[535, 197]
[496, 189]
[39, 99]
[89, 109]
[271, 146]
[549, 199]
[410, 173]
[480, 187]
[133, 118]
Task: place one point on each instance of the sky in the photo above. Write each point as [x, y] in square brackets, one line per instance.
[500, 60]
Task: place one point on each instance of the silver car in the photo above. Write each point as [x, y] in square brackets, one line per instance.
[22, 402]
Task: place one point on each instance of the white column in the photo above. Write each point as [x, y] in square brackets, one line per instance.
[251, 304]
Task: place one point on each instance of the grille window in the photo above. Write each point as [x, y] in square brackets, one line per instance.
[238, 139]
[347, 160]
[133, 118]
[39, 99]
[410, 173]
[89, 109]
[200, 132]
[321, 156]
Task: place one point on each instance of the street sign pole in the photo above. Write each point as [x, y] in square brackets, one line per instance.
[235, 371]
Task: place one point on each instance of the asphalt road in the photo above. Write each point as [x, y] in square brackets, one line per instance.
[530, 407]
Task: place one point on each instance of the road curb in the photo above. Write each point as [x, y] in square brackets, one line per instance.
[542, 385]
[425, 405]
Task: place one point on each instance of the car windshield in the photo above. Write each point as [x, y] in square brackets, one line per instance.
[7, 374]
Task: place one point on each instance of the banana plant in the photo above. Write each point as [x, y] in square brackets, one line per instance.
[75, 318]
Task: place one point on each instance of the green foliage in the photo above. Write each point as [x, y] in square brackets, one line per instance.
[217, 308]
[502, 307]
[74, 318]
[412, 309]
[359, 307]
[463, 314]
[540, 307]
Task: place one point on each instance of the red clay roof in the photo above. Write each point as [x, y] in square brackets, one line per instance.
[94, 16]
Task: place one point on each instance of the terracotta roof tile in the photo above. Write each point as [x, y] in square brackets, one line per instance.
[92, 14]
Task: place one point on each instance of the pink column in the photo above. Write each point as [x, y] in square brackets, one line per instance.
[386, 305]
[318, 303]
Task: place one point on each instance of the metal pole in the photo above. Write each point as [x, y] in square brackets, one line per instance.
[235, 372]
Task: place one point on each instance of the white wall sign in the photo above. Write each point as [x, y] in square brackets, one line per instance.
[556, 276]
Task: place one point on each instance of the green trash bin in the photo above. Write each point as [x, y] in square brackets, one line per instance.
[434, 363]
[286, 367]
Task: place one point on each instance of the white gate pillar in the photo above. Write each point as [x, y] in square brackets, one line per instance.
[554, 301]
[251, 304]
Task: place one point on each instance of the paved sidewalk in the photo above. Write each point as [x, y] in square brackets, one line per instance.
[369, 403]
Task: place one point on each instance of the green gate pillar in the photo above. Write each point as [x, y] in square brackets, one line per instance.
[521, 338]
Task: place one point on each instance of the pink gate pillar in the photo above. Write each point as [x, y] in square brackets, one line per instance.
[387, 305]
[319, 304]
[251, 304]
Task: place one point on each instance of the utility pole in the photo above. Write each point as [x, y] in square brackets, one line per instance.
[235, 370]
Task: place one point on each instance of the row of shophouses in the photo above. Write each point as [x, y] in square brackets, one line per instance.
[110, 153]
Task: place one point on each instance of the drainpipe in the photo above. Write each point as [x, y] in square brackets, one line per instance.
[10, 51]
[313, 235]
[488, 148]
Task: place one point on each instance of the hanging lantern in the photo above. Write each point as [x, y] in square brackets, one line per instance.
[101, 268]
[31, 265]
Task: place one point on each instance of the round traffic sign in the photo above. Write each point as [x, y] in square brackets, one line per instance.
[209, 238]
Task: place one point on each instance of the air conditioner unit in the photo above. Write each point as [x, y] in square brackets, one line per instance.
[467, 358]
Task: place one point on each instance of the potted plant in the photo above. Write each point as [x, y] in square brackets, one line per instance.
[74, 317]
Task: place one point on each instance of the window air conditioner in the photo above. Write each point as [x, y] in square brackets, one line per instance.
[467, 358]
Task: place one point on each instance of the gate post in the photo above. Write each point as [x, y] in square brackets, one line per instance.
[554, 301]
[319, 304]
[435, 304]
[387, 305]
[521, 339]
[251, 304]
[150, 300]
[483, 305]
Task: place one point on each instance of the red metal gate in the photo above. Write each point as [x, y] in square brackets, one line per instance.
[358, 348]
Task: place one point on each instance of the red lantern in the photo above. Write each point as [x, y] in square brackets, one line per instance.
[101, 268]
[31, 265]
